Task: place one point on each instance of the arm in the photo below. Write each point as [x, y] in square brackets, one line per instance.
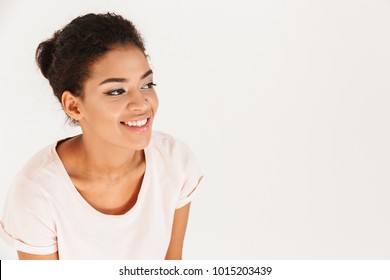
[175, 248]
[27, 256]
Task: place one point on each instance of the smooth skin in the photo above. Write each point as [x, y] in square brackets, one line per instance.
[120, 89]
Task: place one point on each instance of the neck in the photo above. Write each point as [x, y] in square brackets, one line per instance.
[103, 163]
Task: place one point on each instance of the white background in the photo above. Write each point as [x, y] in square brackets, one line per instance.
[285, 104]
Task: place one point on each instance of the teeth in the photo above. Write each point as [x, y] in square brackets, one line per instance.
[137, 123]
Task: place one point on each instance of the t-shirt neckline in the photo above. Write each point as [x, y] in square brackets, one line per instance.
[84, 203]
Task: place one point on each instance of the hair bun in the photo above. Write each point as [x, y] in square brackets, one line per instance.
[44, 55]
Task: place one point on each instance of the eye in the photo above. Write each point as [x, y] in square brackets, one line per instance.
[149, 85]
[115, 92]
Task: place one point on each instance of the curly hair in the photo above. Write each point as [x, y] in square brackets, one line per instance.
[66, 57]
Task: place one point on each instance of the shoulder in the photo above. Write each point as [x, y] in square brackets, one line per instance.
[39, 173]
[177, 161]
[172, 155]
[168, 146]
[38, 161]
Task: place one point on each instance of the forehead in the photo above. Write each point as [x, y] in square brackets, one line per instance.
[121, 62]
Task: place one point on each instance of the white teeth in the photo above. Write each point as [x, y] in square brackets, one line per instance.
[137, 123]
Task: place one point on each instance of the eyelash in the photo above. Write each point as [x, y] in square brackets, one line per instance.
[149, 85]
[112, 93]
[121, 90]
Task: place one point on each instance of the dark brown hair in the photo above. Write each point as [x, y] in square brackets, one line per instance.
[65, 58]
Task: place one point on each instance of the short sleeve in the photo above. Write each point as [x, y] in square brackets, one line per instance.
[27, 224]
[193, 178]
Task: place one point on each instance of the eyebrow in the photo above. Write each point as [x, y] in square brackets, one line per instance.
[122, 80]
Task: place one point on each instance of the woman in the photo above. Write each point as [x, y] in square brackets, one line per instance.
[118, 190]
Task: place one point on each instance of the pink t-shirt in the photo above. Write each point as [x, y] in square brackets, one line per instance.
[45, 213]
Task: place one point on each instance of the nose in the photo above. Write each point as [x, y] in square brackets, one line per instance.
[138, 102]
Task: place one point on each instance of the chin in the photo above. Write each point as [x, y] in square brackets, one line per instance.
[140, 144]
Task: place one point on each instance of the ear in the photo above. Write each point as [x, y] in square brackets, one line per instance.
[71, 105]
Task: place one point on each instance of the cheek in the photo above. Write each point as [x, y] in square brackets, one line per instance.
[102, 112]
[154, 101]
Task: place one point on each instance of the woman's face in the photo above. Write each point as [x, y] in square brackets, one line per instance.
[119, 101]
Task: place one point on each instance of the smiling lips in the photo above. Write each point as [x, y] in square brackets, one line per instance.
[139, 123]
